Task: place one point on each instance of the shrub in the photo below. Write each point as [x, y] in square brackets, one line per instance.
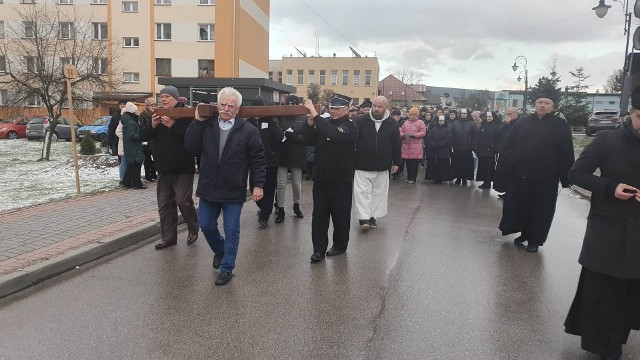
[103, 143]
[87, 146]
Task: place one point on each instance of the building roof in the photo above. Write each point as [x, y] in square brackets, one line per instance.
[395, 90]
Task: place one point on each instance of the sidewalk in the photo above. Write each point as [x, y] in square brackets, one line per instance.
[42, 241]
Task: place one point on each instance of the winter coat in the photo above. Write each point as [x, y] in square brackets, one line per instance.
[335, 142]
[503, 134]
[271, 135]
[224, 178]
[540, 150]
[611, 243]
[377, 150]
[412, 146]
[143, 120]
[463, 133]
[169, 153]
[120, 142]
[439, 142]
[487, 138]
[112, 139]
[293, 152]
[131, 138]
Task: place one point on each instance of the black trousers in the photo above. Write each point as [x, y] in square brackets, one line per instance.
[149, 165]
[603, 312]
[528, 208]
[176, 190]
[412, 168]
[331, 201]
[132, 175]
[266, 203]
[462, 164]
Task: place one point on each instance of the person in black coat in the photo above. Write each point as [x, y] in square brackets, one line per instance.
[176, 167]
[271, 135]
[150, 173]
[539, 152]
[439, 153]
[396, 116]
[334, 166]
[463, 133]
[112, 139]
[486, 150]
[607, 303]
[500, 177]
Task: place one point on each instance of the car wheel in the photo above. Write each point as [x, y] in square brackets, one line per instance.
[12, 135]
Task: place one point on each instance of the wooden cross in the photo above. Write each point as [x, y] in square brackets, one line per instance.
[207, 111]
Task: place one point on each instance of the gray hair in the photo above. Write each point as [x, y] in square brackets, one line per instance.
[230, 92]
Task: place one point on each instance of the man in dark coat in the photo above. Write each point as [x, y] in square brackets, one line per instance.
[463, 133]
[112, 139]
[486, 150]
[539, 154]
[377, 155]
[607, 303]
[175, 166]
[230, 148]
[500, 178]
[439, 153]
[335, 141]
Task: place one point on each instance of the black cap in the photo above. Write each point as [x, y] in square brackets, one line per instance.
[547, 95]
[396, 112]
[292, 100]
[366, 104]
[338, 100]
[259, 101]
[635, 98]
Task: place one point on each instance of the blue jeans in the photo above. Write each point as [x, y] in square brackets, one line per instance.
[122, 168]
[208, 214]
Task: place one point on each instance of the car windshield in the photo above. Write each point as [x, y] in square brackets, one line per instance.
[101, 121]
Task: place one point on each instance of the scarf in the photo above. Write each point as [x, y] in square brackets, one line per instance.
[377, 122]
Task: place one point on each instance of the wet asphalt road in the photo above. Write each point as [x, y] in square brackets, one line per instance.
[436, 280]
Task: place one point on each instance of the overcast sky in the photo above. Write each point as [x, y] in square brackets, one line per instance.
[458, 43]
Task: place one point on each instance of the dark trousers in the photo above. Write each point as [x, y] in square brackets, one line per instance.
[412, 169]
[149, 166]
[175, 189]
[462, 164]
[528, 208]
[603, 312]
[331, 201]
[266, 203]
[132, 175]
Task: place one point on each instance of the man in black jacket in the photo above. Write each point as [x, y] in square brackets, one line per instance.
[175, 166]
[539, 153]
[112, 139]
[377, 155]
[230, 147]
[335, 140]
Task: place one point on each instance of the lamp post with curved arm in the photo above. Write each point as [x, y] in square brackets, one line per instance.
[522, 60]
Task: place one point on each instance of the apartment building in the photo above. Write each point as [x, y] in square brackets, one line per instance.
[356, 77]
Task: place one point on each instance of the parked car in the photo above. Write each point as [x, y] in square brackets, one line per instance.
[600, 120]
[38, 128]
[97, 130]
[16, 127]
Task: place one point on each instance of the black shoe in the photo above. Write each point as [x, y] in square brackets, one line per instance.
[519, 240]
[165, 244]
[140, 187]
[364, 225]
[458, 181]
[217, 259]
[532, 248]
[276, 208]
[280, 217]
[501, 195]
[372, 223]
[333, 251]
[485, 185]
[464, 182]
[296, 210]
[224, 278]
[262, 224]
[317, 257]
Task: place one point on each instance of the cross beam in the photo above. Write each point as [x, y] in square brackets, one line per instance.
[207, 111]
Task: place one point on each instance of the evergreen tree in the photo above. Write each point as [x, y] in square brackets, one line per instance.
[87, 146]
[546, 84]
[576, 108]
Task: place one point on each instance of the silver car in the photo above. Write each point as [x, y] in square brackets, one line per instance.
[38, 128]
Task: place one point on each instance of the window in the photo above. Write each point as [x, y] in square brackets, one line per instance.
[29, 29]
[67, 61]
[300, 77]
[130, 6]
[206, 2]
[271, 75]
[312, 77]
[345, 77]
[334, 77]
[205, 32]
[131, 42]
[3, 97]
[163, 67]
[98, 2]
[163, 31]
[132, 77]
[163, 2]
[280, 77]
[65, 2]
[367, 78]
[3, 64]
[356, 77]
[99, 31]
[323, 74]
[355, 101]
[27, 1]
[30, 64]
[289, 77]
[1, 28]
[99, 65]
[205, 68]
[32, 100]
[66, 30]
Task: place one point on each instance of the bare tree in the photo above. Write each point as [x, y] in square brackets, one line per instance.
[408, 77]
[38, 42]
[325, 96]
[614, 82]
[313, 93]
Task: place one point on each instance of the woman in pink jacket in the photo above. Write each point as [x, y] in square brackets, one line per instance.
[412, 132]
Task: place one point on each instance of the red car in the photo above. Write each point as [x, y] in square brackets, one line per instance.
[16, 127]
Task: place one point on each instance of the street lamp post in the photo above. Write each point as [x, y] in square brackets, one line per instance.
[522, 60]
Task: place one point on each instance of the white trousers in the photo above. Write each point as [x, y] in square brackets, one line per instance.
[370, 193]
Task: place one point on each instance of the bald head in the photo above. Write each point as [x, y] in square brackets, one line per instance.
[379, 108]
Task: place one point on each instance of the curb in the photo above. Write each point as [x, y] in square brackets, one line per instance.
[47, 269]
